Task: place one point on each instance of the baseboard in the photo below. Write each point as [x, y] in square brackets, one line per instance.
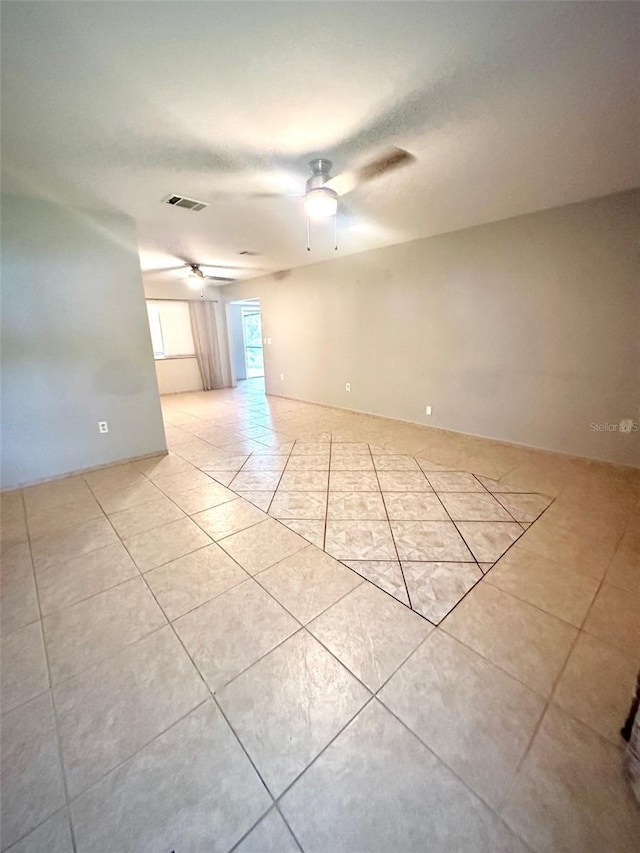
[81, 471]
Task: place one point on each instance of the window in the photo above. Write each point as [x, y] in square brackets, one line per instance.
[170, 328]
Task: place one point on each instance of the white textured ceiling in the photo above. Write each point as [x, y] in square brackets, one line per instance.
[508, 107]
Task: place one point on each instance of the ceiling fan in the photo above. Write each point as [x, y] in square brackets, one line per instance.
[199, 276]
[322, 191]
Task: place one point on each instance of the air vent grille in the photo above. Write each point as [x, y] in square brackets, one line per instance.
[182, 201]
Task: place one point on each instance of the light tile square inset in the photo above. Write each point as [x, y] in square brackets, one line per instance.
[429, 541]
[360, 540]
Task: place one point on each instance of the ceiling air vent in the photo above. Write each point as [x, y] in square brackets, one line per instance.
[182, 201]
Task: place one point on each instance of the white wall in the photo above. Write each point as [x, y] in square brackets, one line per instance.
[176, 375]
[525, 330]
[75, 343]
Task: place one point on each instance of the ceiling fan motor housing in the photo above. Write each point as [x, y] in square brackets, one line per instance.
[320, 173]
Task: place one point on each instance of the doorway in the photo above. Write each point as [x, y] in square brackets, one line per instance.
[245, 326]
[252, 336]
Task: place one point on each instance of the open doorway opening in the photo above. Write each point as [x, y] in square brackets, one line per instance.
[245, 324]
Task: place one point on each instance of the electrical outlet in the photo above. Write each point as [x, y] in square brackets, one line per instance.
[428, 410]
[282, 377]
[269, 342]
[347, 387]
[103, 426]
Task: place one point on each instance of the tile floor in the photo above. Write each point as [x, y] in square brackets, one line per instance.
[310, 630]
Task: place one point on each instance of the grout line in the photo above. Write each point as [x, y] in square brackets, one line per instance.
[393, 538]
[54, 710]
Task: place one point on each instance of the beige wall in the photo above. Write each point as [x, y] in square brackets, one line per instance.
[176, 375]
[525, 330]
[76, 347]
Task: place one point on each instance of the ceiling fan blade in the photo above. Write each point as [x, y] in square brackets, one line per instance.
[392, 159]
[219, 278]
[165, 269]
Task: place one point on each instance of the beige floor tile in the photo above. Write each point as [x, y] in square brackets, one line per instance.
[574, 551]
[192, 580]
[229, 463]
[597, 685]
[570, 792]
[497, 487]
[475, 717]
[403, 481]
[114, 476]
[312, 531]
[202, 497]
[57, 492]
[228, 518]
[306, 698]
[65, 583]
[24, 673]
[435, 588]
[430, 541]
[454, 481]
[310, 448]
[353, 481]
[472, 506]
[349, 448]
[304, 481]
[269, 836]
[545, 584]
[161, 466]
[311, 506]
[232, 631]
[89, 631]
[255, 481]
[624, 570]
[113, 500]
[356, 505]
[348, 801]
[52, 836]
[32, 787]
[414, 506]
[164, 544]
[312, 462]
[488, 540]
[51, 519]
[192, 788]
[111, 710]
[615, 618]
[265, 462]
[359, 540]
[262, 545]
[18, 598]
[173, 484]
[351, 462]
[67, 544]
[524, 507]
[260, 499]
[527, 643]
[308, 582]
[392, 462]
[139, 519]
[370, 633]
[385, 574]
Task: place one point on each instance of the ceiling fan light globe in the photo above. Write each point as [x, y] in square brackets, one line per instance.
[321, 203]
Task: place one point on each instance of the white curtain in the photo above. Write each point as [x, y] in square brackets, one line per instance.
[207, 344]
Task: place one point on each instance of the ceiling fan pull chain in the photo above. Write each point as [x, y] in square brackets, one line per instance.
[308, 236]
[335, 233]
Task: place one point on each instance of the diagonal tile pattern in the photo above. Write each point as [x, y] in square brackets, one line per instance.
[438, 531]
